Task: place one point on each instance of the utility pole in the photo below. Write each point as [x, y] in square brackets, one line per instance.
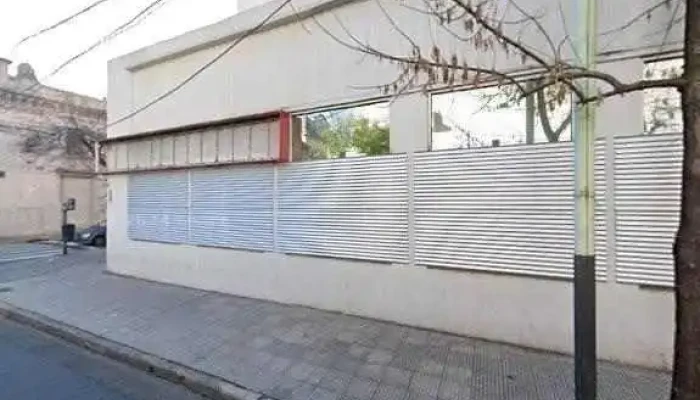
[585, 368]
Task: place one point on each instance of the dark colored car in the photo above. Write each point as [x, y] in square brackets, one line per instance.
[95, 235]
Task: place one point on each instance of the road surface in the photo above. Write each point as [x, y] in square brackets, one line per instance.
[37, 366]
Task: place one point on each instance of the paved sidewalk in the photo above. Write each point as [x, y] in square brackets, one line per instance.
[290, 352]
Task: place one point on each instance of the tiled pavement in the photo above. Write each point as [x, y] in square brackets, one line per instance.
[290, 352]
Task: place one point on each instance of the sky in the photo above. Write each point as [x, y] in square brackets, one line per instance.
[88, 75]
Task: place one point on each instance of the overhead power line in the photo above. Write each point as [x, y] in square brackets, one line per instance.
[62, 21]
[204, 67]
[133, 21]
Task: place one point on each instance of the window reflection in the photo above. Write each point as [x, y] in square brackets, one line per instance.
[348, 132]
[492, 117]
[662, 106]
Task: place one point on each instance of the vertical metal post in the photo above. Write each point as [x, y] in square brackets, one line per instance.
[585, 368]
[96, 151]
[189, 204]
[64, 222]
[275, 208]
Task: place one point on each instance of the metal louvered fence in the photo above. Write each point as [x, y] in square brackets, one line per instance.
[507, 209]
[503, 210]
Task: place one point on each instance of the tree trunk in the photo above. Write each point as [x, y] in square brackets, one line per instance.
[686, 366]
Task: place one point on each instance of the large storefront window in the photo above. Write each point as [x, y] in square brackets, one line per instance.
[662, 106]
[341, 133]
[493, 117]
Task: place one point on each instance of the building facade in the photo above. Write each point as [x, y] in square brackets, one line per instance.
[46, 156]
[216, 186]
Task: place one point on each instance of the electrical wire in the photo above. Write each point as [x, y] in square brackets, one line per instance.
[62, 21]
[203, 68]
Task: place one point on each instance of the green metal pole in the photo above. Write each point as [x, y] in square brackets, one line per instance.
[585, 368]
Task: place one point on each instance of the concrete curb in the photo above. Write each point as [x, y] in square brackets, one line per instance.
[199, 382]
[58, 243]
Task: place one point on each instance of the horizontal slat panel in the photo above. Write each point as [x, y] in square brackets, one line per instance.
[350, 208]
[233, 207]
[647, 200]
[211, 146]
[601, 226]
[157, 206]
[502, 209]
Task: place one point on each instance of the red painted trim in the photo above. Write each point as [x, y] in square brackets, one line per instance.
[285, 137]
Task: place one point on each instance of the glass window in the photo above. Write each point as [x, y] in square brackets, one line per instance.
[662, 106]
[492, 117]
[348, 132]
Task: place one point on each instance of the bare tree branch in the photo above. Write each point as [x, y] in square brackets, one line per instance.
[431, 12]
[539, 26]
[498, 33]
[642, 14]
[618, 87]
[299, 19]
[670, 24]
[394, 24]
[551, 134]
[415, 62]
[567, 34]
[445, 26]
[637, 86]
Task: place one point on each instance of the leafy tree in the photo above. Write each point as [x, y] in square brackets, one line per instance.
[346, 134]
[370, 138]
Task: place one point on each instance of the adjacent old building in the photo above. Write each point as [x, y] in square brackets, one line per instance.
[47, 155]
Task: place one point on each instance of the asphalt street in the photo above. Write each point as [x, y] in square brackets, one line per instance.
[37, 366]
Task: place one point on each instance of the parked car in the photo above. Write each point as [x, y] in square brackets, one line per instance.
[95, 235]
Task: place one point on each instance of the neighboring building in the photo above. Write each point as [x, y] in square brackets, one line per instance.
[46, 155]
[207, 190]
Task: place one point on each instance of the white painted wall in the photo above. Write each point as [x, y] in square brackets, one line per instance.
[295, 65]
[244, 5]
[410, 122]
[635, 325]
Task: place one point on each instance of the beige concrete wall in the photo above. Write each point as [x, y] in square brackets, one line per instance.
[30, 203]
[635, 325]
[89, 195]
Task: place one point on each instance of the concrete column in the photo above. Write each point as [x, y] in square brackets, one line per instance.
[622, 115]
[4, 66]
[409, 118]
[618, 116]
[120, 99]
